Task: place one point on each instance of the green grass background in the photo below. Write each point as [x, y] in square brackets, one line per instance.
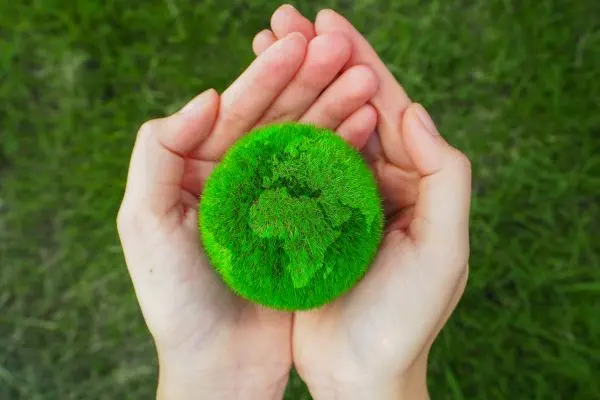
[515, 84]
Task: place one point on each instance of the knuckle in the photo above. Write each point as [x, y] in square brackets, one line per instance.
[275, 115]
[233, 116]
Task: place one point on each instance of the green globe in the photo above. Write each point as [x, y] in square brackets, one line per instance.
[291, 217]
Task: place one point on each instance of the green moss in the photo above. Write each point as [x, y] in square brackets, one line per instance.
[291, 218]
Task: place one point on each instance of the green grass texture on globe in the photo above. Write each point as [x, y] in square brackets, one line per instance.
[291, 217]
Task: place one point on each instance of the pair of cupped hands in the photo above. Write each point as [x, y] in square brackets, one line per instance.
[371, 343]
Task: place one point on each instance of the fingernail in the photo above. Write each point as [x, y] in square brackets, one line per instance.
[289, 6]
[197, 101]
[426, 120]
[324, 12]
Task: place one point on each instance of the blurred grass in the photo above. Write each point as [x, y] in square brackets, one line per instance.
[512, 83]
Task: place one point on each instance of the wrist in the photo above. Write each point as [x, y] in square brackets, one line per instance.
[375, 390]
[181, 381]
[409, 385]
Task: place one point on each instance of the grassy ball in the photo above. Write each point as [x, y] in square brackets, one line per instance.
[291, 217]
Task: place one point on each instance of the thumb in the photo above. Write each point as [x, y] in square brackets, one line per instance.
[441, 216]
[157, 162]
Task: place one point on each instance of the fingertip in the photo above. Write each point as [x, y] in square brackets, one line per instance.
[359, 126]
[185, 130]
[366, 80]
[300, 44]
[201, 102]
[325, 13]
[278, 15]
[328, 20]
[213, 98]
[212, 95]
[289, 51]
[284, 8]
[422, 144]
[370, 111]
[287, 19]
[262, 41]
[425, 119]
[429, 151]
[329, 47]
[370, 117]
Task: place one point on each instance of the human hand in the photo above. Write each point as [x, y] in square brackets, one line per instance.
[211, 343]
[374, 341]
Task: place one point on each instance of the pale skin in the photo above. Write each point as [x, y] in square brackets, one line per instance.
[374, 341]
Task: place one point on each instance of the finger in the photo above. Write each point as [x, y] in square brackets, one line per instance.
[189, 201]
[325, 57]
[398, 187]
[262, 41]
[347, 94]
[390, 100]
[286, 19]
[195, 174]
[247, 99]
[178, 132]
[157, 163]
[372, 151]
[441, 215]
[357, 128]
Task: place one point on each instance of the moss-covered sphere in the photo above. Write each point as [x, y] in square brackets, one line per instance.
[291, 217]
